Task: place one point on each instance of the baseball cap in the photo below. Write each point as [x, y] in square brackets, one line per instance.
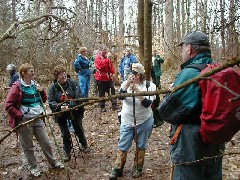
[196, 38]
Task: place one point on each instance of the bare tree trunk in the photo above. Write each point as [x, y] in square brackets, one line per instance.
[168, 35]
[188, 4]
[183, 19]
[14, 18]
[147, 37]
[232, 43]
[49, 4]
[178, 23]
[204, 15]
[140, 27]
[197, 14]
[222, 7]
[121, 25]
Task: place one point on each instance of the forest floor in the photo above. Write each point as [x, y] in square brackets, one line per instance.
[102, 132]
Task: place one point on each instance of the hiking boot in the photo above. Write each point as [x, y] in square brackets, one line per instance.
[137, 171]
[67, 157]
[115, 173]
[57, 165]
[35, 172]
[138, 163]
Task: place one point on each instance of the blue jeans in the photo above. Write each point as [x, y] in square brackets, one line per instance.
[207, 170]
[84, 85]
[127, 135]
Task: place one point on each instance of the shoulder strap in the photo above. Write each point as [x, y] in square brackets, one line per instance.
[147, 84]
[199, 67]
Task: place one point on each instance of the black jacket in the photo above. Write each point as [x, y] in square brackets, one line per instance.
[72, 90]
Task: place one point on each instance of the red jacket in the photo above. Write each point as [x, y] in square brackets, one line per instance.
[13, 103]
[104, 68]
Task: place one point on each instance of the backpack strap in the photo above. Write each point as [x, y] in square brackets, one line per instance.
[147, 84]
[199, 67]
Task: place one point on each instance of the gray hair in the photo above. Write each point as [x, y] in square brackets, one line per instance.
[201, 49]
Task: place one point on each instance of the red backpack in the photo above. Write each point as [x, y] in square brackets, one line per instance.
[220, 118]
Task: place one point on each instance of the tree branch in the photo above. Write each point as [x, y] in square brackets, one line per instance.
[18, 27]
[231, 63]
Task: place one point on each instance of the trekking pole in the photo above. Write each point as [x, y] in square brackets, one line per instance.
[72, 119]
[54, 137]
[78, 144]
[172, 170]
[135, 130]
[74, 154]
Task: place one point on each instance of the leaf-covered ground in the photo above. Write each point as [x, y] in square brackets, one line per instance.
[102, 131]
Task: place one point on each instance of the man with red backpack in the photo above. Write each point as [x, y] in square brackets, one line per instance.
[182, 110]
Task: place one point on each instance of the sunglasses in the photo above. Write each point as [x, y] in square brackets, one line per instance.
[31, 71]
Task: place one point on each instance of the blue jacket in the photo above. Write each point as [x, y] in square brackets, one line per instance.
[82, 64]
[126, 62]
[13, 77]
[184, 107]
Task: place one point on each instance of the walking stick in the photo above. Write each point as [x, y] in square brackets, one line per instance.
[172, 170]
[54, 138]
[135, 130]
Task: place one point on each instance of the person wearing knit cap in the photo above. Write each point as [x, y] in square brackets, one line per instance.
[11, 68]
[135, 117]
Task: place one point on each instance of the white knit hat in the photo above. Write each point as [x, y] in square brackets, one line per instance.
[11, 67]
[137, 67]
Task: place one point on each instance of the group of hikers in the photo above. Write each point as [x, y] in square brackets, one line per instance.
[26, 97]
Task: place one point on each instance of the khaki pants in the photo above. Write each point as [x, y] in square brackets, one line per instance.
[36, 128]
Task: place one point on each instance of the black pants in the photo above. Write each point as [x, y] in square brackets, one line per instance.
[77, 126]
[103, 87]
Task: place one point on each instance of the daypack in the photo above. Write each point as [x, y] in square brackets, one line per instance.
[75, 68]
[157, 120]
[220, 117]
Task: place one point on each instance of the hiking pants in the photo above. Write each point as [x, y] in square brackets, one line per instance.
[103, 87]
[36, 128]
[208, 170]
[78, 130]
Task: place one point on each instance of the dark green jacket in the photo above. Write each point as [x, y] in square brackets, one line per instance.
[156, 68]
[184, 107]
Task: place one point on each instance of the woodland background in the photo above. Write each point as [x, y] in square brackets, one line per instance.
[49, 32]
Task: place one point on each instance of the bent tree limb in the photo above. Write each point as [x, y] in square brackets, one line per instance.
[20, 26]
[146, 93]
